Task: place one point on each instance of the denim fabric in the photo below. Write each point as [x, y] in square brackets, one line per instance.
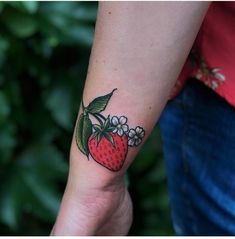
[198, 133]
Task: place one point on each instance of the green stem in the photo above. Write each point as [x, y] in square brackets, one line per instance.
[101, 116]
[83, 107]
[97, 117]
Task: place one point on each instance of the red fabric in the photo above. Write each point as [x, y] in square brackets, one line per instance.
[212, 58]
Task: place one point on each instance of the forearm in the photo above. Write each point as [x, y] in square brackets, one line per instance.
[139, 49]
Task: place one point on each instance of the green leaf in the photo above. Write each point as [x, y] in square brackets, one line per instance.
[30, 6]
[41, 168]
[4, 44]
[20, 24]
[1, 6]
[109, 137]
[99, 104]
[83, 132]
[7, 142]
[4, 107]
[107, 123]
[78, 11]
[81, 33]
[59, 103]
[97, 127]
[9, 207]
[47, 197]
[44, 160]
[99, 136]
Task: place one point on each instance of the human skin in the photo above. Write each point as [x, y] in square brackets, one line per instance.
[139, 48]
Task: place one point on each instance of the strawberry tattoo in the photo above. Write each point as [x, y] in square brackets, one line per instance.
[111, 156]
[107, 140]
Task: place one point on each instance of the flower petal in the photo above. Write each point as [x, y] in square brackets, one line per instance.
[131, 133]
[131, 142]
[115, 130]
[220, 76]
[138, 129]
[137, 142]
[123, 120]
[215, 70]
[141, 134]
[115, 120]
[120, 132]
[125, 127]
[214, 85]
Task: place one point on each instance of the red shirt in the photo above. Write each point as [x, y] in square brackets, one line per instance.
[212, 57]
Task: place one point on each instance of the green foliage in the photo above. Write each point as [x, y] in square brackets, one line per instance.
[99, 104]
[44, 53]
[83, 132]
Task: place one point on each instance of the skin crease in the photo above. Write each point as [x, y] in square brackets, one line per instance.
[139, 48]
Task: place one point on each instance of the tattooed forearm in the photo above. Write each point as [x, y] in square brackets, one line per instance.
[106, 139]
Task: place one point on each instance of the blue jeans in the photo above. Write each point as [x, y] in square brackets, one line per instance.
[198, 133]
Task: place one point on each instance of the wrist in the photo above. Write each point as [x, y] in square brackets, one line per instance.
[96, 200]
[86, 212]
[86, 175]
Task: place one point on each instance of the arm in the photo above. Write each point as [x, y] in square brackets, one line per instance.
[139, 48]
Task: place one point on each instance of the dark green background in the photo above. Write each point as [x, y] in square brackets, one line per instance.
[44, 53]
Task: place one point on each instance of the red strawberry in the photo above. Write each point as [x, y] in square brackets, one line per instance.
[109, 149]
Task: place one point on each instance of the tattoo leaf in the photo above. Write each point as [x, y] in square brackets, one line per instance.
[109, 138]
[83, 132]
[99, 104]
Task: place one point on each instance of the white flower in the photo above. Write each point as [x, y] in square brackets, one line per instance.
[120, 125]
[214, 85]
[135, 136]
[216, 73]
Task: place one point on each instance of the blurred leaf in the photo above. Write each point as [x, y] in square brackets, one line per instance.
[3, 47]
[45, 131]
[43, 192]
[157, 200]
[59, 104]
[38, 106]
[127, 180]
[30, 6]
[20, 24]
[1, 6]
[9, 211]
[79, 11]
[24, 6]
[157, 174]
[53, 41]
[4, 107]
[85, 12]
[66, 21]
[7, 142]
[79, 34]
[44, 160]
[2, 79]
[41, 167]
[3, 44]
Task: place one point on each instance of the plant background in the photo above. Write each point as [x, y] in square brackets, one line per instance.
[44, 53]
